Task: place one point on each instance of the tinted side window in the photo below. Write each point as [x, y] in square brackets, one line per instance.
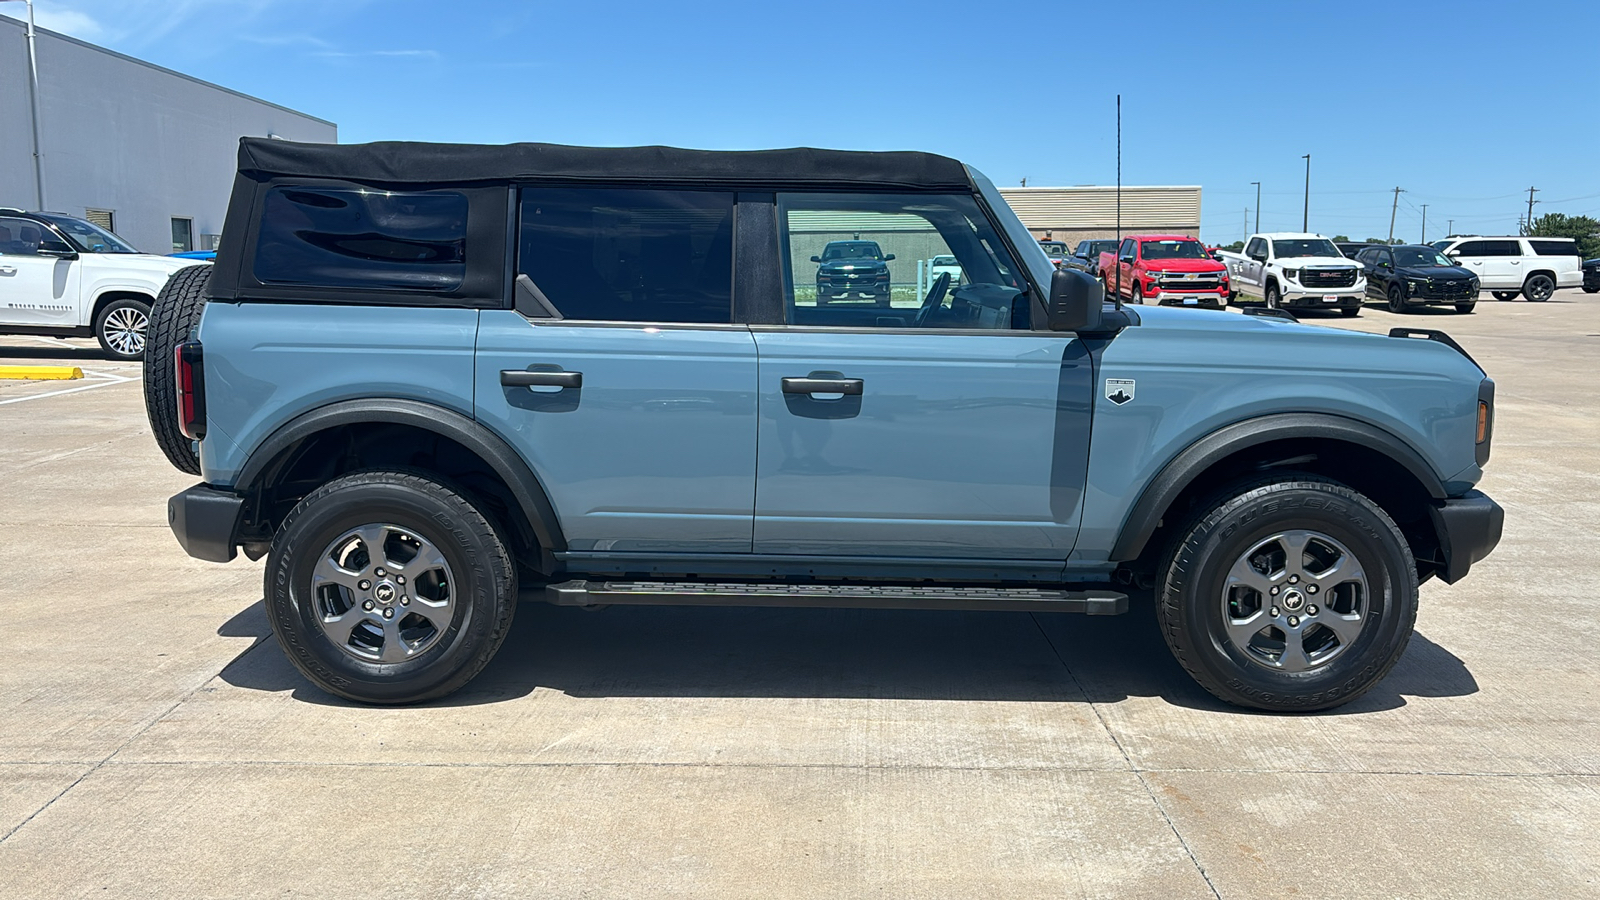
[1126, 249]
[630, 255]
[1257, 245]
[1490, 248]
[1471, 248]
[369, 239]
[20, 237]
[1555, 248]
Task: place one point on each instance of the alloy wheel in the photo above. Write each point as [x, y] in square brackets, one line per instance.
[125, 330]
[1294, 601]
[383, 593]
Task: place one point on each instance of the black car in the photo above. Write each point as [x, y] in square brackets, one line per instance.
[1591, 276]
[1057, 251]
[1087, 257]
[1351, 248]
[1408, 275]
[853, 267]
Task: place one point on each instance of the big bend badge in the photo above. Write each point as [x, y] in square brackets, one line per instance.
[1119, 390]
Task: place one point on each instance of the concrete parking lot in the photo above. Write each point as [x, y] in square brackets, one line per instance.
[154, 742]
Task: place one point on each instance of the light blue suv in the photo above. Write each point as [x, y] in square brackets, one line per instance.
[429, 380]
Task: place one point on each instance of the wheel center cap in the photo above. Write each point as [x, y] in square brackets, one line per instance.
[384, 593]
[1293, 600]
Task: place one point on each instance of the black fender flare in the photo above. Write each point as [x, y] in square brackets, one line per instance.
[1183, 469]
[525, 486]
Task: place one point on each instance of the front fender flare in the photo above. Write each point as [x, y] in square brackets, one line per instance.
[1182, 470]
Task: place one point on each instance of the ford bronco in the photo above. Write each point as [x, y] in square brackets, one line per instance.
[428, 380]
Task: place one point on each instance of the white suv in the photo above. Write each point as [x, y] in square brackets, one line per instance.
[63, 276]
[1507, 266]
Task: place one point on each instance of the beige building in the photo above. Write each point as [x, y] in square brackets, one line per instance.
[1073, 214]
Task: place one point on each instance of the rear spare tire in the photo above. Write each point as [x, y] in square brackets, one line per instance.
[173, 317]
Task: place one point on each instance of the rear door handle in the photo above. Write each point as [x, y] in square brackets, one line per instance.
[847, 386]
[524, 378]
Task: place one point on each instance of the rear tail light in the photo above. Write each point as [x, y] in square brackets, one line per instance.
[191, 390]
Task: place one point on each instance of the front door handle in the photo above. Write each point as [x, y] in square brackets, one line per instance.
[525, 378]
[847, 386]
[8, 270]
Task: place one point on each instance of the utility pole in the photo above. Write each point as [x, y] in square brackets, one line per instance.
[1394, 209]
[1258, 208]
[1424, 224]
[1118, 280]
[1305, 218]
[1450, 227]
[1531, 192]
[1024, 181]
[1247, 221]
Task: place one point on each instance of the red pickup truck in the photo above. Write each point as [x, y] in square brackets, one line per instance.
[1169, 269]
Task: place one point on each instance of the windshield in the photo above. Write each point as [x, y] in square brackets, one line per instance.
[1301, 247]
[1439, 245]
[1054, 249]
[945, 261]
[1173, 250]
[852, 250]
[89, 237]
[1416, 256]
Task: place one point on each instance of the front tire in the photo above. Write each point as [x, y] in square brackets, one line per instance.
[1138, 295]
[1350, 312]
[123, 327]
[389, 587]
[1293, 595]
[1505, 295]
[1397, 299]
[1464, 308]
[1538, 288]
[1273, 298]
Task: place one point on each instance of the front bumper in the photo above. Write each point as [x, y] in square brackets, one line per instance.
[205, 520]
[1343, 298]
[1591, 279]
[1210, 299]
[1469, 527]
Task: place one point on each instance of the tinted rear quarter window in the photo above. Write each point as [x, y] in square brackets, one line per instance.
[630, 255]
[1555, 248]
[362, 238]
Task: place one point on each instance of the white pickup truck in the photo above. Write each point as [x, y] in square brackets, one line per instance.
[1296, 271]
[63, 276]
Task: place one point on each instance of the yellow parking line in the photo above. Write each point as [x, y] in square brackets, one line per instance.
[41, 373]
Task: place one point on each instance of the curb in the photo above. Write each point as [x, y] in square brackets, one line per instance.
[41, 373]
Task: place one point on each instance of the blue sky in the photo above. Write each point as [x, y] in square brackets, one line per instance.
[1464, 104]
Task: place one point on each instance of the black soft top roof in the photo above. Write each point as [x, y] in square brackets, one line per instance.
[404, 162]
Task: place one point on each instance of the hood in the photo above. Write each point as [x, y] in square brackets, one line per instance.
[1318, 262]
[1441, 272]
[138, 262]
[1184, 265]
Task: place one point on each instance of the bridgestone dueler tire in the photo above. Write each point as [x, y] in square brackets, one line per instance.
[485, 588]
[1189, 608]
[175, 314]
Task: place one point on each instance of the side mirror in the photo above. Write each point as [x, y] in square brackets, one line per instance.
[816, 259]
[1259, 257]
[889, 257]
[1076, 301]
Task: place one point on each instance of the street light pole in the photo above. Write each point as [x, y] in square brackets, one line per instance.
[1305, 218]
[33, 96]
[1258, 205]
[1424, 224]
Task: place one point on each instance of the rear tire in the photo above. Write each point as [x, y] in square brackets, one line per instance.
[1538, 288]
[346, 616]
[123, 328]
[1234, 637]
[172, 319]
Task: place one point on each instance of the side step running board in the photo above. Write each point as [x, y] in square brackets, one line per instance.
[694, 593]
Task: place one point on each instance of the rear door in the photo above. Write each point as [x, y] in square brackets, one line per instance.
[36, 290]
[637, 409]
[1496, 261]
[941, 427]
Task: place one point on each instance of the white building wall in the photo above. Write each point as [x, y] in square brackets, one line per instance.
[1090, 212]
[147, 143]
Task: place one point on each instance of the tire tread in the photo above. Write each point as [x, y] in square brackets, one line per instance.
[173, 316]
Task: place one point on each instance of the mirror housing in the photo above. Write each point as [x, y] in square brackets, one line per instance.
[816, 259]
[1076, 301]
[889, 257]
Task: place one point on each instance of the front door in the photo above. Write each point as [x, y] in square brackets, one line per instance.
[637, 409]
[941, 427]
[36, 290]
